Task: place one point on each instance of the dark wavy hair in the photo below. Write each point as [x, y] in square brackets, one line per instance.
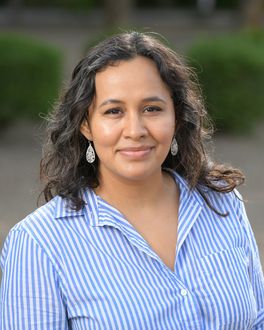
[64, 169]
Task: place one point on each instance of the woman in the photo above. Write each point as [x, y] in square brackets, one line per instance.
[140, 229]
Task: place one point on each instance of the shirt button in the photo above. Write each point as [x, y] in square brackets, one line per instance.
[184, 292]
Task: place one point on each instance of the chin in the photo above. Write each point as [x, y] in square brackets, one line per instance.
[137, 175]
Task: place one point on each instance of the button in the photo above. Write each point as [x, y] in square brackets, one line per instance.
[184, 292]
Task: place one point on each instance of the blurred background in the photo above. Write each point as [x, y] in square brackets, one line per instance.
[42, 40]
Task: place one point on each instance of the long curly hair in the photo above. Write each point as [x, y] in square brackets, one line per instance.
[64, 169]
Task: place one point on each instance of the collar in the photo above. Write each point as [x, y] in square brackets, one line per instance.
[96, 211]
[63, 209]
[99, 213]
[190, 206]
[185, 189]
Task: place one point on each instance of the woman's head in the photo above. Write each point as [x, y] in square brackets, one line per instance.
[131, 121]
[64, 166]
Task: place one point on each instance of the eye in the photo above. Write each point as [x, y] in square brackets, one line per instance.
[113, 111]
[152, 108]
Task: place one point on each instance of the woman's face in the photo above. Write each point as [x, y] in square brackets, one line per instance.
[131, 121]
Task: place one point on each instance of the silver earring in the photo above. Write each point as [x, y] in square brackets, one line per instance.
[90, 154]
[174, 147]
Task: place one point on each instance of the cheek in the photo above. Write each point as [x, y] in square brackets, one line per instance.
[166, 130]
[105, 134]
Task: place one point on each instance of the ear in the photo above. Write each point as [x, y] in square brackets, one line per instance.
[85, 130]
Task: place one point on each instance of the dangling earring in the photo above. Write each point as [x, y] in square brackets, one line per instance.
[90, 154]
[174, 147]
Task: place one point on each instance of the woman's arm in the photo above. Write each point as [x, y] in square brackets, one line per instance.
[30, 290]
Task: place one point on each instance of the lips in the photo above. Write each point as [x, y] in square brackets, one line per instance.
[135, 152]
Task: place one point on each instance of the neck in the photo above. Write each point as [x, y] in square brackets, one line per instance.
[132, 194]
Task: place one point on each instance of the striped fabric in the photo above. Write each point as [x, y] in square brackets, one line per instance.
[91, 270]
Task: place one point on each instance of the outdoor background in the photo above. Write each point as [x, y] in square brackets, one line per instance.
[42, 40]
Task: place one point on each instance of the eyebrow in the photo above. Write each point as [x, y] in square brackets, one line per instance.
[147, 99]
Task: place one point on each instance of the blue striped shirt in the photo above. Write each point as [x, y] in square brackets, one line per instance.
[90, 269]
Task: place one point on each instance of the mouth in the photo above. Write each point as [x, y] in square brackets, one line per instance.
[136, 152]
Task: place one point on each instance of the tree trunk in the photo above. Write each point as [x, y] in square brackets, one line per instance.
[117, 13]
[252, 12]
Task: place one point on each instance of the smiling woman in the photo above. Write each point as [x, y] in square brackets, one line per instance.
[126, 125]
[141, 229]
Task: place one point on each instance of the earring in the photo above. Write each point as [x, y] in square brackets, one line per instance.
[174, 147]
[90, 154]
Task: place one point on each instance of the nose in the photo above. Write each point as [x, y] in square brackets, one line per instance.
[134, 126]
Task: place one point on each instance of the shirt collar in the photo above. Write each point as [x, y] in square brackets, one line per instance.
[99, 213]
[184, 187]
[190, 206]
[96, 211]
[63, 209]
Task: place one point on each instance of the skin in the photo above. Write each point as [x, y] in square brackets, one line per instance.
[131, 121]
[132, 124]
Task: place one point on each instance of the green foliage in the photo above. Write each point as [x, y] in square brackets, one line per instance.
[30, 77]
[231, 72]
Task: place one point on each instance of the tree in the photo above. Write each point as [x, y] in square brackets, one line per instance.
[117, 12]
[252, 12]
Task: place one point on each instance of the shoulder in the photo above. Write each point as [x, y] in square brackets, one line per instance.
[44, 229]
[47, 218]
[40, 219]
[231, 202]
[226, 202]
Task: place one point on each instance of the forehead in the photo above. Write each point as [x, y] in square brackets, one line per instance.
[137, 74]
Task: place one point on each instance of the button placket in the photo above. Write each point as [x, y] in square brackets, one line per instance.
[174, 280]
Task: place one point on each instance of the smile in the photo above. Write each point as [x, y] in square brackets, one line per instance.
[136, 153]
